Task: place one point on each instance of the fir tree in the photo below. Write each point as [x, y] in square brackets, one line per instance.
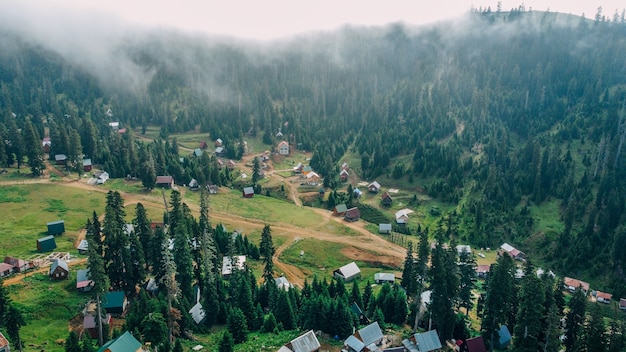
[97, 274]
[227, 344]
[267, 251]
[409, 281]
[237, 325]
[14, 321]
[467, 271]
[526, 333]
[355, 295]
[575, 320]
[72, 344]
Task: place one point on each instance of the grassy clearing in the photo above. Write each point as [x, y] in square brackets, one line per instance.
[265, 209]
[28, 208]
[319, 258]
[47, 307]
[548, 216]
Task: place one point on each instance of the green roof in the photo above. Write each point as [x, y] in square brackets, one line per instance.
[114, 299]
[125, 343]
[46, 244]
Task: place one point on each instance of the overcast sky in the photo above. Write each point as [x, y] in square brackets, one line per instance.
[271, 19]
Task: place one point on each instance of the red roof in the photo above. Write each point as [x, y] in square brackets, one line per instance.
[568, 281]
[476, 344]
[483, 268]
[605, 296]
[82, 284]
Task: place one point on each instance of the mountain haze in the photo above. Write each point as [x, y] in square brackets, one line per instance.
[498, 115]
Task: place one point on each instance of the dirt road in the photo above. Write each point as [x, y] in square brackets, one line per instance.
[364, 246]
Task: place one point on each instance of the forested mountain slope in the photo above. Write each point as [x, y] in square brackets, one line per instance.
[497, 112]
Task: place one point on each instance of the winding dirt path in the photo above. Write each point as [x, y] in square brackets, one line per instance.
[363, 246]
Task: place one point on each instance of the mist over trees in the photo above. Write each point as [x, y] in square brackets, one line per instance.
[498, 112]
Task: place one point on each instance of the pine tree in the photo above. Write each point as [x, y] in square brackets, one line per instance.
[409, 281]
[97, 273]
[267, 251]
[143, 231]
[115, 240]
[154, 328]
[256, 171]
[183, 260]
[72, 344]
[444, 286]
[595, 331]
[499, 297]
[467, 271]
[75, 153]
[367, 293]
[237, 325]
[172, 290]
[284, 312]
[14, 321]
[575, 320]
[227, 344]
[528, 328]
[33, 149]
[355, 295]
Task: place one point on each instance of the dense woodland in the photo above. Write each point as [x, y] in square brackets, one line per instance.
[496, 114]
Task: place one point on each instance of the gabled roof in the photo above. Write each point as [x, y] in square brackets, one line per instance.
[87, 162]
[60, 157]
[354, 343]
[349, 270]
[428, 341]
[570, 282]
[306, 342]
[483, 268]
[124, 343]
[164, 179]
[248, 190]
[353, 213]
[384, 277]
[374, 184]
[371, 334]
[59, 263]
[505, 336]
[82, 278]
[386, 195]
[197, 152]
[476, 344]
[219, 150]
[341, 208]
[114, 299]
[3, 341]
[4, 267]
[283, 283]
[603, 295]
[197, 313]
[344, 172]
[403, 213]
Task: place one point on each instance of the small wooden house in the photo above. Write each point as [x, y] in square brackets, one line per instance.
[87, 165]
[386, 199]
[381, 278]
[340, 210]
[347, 272]
[115, 302]
[18, 265]
[60, 159]
[248, 192]
[4, 344]
[343, 175]
[83, 283]
[165, 181]
[46, 143]
[193, 185]
[373, 187]
[46, 244]
[283, 148]
[306, 342]
[352, 215]
[572, 284]
[5, 269]
[56, 227]
[124, 343]
[603, 297]
[384, 229]
[59, 270]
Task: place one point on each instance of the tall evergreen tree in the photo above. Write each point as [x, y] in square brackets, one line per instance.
[355, 294]
[33, 149]
[227, 344]
[14, 321]
[97, 273]
[499, 297]
[72, 344]
[467, 280]
[444, 286]
[115, 240]
[267, 252]
[237, 325]
[172, 290]
[528, 328]
[409, 281]
[143, 230]
[183, 260]
[575, 319]
[595, 331]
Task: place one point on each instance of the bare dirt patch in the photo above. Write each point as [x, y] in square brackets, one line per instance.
[371, 258]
